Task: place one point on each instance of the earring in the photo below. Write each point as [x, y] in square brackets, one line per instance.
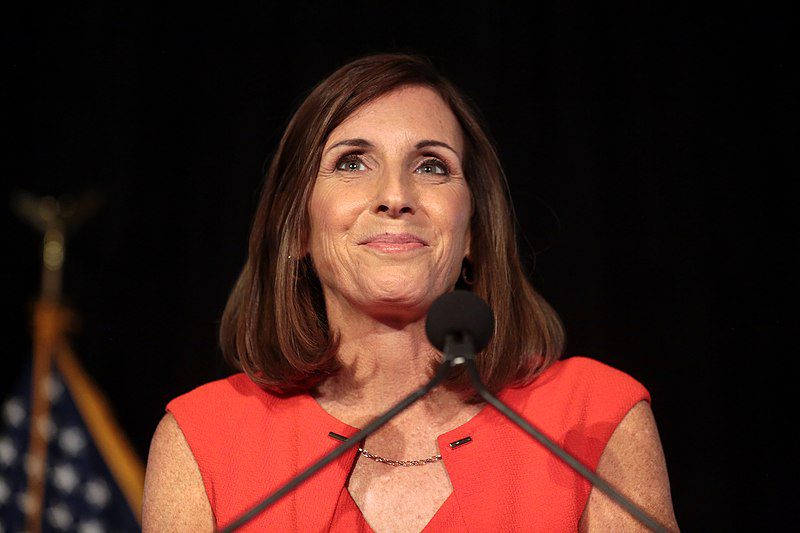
[466, 273]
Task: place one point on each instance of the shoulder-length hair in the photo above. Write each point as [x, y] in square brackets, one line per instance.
[274, 327]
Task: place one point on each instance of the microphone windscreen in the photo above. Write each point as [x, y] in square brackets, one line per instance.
[459, 313]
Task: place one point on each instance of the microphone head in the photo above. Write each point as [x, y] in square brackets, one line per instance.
[460, 313]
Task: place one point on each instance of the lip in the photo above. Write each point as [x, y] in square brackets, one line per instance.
[394, 242]
[394, 238]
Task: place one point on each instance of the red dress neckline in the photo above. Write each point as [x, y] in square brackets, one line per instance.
[348, 516]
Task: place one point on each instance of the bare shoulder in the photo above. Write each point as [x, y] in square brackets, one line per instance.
[174, 496]
[633, 462]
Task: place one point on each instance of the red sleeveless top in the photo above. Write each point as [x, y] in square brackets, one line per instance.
[248, 442]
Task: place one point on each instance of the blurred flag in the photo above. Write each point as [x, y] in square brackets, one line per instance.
[64, 463]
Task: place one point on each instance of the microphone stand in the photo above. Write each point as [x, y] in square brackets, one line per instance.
[459, 349]
[373, 426]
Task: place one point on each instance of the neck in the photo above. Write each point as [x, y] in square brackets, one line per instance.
[382, 361]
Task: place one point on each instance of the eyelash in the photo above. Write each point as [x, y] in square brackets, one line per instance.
[355, 157]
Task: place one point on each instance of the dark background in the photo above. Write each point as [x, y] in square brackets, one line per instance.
[650, 151]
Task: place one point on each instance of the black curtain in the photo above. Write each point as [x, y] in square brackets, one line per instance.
[650, 151]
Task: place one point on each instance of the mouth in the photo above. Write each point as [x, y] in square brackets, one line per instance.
[394, 242]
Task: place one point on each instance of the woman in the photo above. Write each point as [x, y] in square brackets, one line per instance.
[385, 193]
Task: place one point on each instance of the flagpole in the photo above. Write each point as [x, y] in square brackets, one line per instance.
[50, 323]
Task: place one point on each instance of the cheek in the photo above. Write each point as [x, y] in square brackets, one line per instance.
[453, 212]
[331, 212]
[317, 213]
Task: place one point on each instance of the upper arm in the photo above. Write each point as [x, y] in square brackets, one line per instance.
[174, 495]
[633, 463]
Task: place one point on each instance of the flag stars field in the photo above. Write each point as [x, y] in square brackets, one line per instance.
[96, 493]
[80, 493]
[68, 467]
[72, 441]
[14, 412]
[8, 453]
[59, 517]
[65, 477]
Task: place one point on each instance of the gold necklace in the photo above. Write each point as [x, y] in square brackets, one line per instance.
[394, 462]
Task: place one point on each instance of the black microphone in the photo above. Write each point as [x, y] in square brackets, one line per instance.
[462, 317]
[460, 324]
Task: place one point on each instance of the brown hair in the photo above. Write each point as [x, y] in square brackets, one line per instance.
[274, 326]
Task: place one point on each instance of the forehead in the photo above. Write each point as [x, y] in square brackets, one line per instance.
[405, 115]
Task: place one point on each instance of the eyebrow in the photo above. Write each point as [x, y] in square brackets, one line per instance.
[431, 142]
[363, 143]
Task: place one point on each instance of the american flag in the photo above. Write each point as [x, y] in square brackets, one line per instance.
[80, 491]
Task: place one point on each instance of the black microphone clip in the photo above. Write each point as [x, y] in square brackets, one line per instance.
[458, 348]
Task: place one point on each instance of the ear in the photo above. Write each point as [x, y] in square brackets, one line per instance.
[302, 245]
[468, 244]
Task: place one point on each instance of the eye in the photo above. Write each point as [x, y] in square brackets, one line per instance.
[350, 163]
[433, 166]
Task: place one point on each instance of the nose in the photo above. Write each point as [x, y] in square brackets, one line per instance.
[395, 196]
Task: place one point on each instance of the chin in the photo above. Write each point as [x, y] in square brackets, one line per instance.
[399, 295]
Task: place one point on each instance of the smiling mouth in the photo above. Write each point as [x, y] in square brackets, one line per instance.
[395, 247]
[394, 242]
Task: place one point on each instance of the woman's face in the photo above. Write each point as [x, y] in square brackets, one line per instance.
[390, 208]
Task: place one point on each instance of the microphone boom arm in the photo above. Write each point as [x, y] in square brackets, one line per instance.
[597, 481]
